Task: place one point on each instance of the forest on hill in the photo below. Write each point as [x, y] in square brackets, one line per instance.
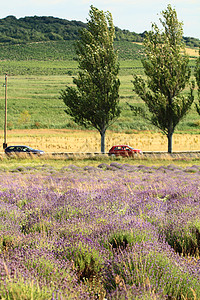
[38, 29]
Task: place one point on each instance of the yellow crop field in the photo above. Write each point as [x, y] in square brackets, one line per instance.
[192, 52]
[64, 140]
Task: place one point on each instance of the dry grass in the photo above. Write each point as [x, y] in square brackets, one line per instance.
[63, 140]
[192, 52]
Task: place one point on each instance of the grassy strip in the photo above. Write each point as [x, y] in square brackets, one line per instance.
[58, 162]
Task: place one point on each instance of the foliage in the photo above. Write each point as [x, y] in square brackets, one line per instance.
[191, 42]
[24, 290]
[45, 29]
[125, 35]
[168, 73]
[40, 29]
[38, 90]
[38, 71]
[95, 100]
[37, 29]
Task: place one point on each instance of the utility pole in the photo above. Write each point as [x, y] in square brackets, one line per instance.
[5, 123]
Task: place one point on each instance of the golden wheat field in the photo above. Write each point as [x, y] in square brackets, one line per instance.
[190, 51]
[64, 140]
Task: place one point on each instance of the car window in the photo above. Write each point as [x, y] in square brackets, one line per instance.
[20, 149]
[117, 148]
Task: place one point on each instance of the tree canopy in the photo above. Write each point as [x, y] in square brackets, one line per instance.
[35, 29]
[167, 69]
[95, 99]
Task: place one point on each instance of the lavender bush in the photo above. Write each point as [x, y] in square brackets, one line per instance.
[109, 232]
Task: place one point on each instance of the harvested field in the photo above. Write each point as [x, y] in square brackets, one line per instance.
[64, 140]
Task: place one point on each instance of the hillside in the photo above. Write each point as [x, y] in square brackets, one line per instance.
[39, 69]
[60, 51]
[37, 29]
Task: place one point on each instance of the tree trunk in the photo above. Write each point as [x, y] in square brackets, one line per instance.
[169, 136]
[103, 141]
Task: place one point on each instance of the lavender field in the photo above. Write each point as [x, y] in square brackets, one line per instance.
[115, 231]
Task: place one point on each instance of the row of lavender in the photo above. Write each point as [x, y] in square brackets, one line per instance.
[112, 232]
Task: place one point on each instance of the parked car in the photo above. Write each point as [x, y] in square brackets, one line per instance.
[123, 150]
[22, 149]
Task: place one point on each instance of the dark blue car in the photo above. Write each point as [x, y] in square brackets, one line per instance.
[22, 149]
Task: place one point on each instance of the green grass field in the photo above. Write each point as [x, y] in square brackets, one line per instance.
[61, 51]
[38, 72]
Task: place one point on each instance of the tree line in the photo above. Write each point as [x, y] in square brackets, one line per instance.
[38, 29]
[94, 101]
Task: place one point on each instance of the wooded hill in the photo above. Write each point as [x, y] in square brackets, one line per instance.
[37, 29]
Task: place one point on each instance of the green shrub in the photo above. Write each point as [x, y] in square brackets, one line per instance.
[14, 290]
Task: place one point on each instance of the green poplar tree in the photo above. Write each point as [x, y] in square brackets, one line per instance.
[166, 66]
[95, 99]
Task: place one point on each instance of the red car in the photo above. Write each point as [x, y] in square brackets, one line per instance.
[123, 150]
